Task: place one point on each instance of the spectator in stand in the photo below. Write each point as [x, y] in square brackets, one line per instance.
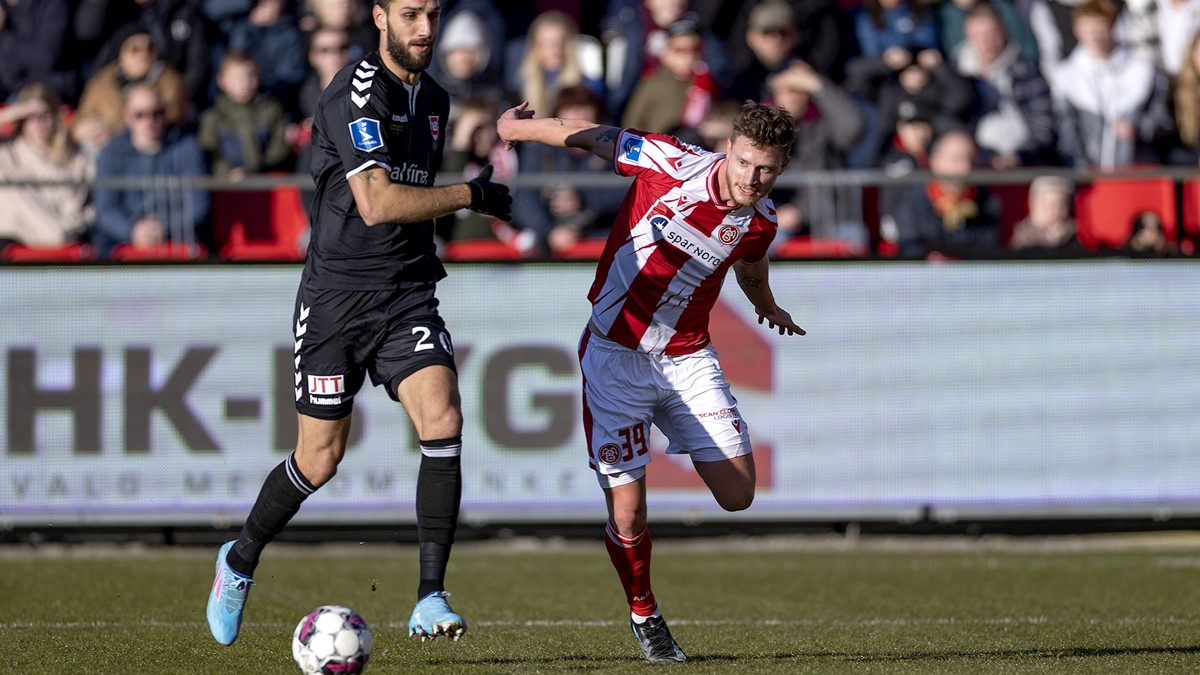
[1049, 227]
[149, 148]
[820, 34]
[635, 34]
[899, 76]
[180, 34]
[909, 147]
[907, 152]
[32, 36]
[1177, 22]
[352, 17]
[952, 15]
[1137, 28]
[463, 61]
[558, 215]
[716, 129]
[883, 24]
[41, 149]
[945, 215]
[269, 31]
[550, 61]
[771, 43]
[1014, 122]
[1111, 104]
[1050, 22]
[678, 95]
[1186, 101]
[245, 131]
[828, 124]
[1148, 239]
[500, 27]
[474, 144]
[101, 110]
[328, 52]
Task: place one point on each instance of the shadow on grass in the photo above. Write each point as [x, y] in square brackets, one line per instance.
[566, 661]
[1077, 652]
[586, 662]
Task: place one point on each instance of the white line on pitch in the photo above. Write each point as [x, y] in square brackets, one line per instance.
[577, 623]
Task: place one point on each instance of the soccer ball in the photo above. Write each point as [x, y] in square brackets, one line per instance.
[332, 639]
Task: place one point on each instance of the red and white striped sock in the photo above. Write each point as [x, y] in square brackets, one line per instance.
[631, 558]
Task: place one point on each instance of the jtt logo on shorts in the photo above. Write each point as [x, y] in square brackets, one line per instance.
[326, 389]
[326, 385]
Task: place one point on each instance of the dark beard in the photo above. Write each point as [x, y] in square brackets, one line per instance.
[407, 61]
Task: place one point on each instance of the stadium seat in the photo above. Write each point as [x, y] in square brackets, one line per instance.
[1191, 208]
[1014, 206]
[584, 249]
[1105, 210]
[259, 226]
[68, 253]
[479, 250]
[163, 252]
[808, 247]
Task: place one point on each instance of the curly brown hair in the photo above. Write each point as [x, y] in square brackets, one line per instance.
[765, 126]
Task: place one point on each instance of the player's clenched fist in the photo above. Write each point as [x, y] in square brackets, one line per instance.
[490, 198]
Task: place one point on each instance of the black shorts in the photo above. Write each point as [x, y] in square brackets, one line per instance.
[340, 336]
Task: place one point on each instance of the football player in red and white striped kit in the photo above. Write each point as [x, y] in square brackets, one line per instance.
[688, 218]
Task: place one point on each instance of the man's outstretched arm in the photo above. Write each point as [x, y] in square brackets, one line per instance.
[380, 201]
[517, 125]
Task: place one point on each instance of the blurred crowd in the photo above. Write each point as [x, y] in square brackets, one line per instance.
[227, 88]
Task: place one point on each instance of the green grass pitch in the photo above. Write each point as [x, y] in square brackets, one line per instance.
[1119, 604]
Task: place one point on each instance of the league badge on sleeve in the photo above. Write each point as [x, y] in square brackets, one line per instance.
[631, 149]
[435, 127]
[365, 134]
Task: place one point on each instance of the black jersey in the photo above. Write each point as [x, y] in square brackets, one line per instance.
[367, 117]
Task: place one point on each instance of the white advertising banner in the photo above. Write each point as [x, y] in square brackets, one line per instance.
[163, 395]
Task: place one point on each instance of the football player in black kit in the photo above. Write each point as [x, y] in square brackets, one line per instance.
[366, 305]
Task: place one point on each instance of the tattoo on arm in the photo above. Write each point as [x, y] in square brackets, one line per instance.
[750, 282]
[607, 135]
[559, 120]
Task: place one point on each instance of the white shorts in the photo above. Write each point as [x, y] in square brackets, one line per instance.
[686, 397]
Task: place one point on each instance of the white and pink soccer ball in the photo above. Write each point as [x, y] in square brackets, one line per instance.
[332, 640]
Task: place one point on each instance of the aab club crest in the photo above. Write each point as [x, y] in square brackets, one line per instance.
[728, 234]
[609, 454]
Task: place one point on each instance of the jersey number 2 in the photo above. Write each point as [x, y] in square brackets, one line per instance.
[423, 342]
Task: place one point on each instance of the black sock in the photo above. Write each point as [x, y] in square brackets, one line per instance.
[284, 490]
[439, 489]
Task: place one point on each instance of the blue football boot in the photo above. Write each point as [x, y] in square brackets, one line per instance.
[433, 617]
[227, 599]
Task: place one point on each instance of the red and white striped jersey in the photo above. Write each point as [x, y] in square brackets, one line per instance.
[671, 245]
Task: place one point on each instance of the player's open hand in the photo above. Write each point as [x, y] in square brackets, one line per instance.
[504, 125]
[780, 320]
[490, 198]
